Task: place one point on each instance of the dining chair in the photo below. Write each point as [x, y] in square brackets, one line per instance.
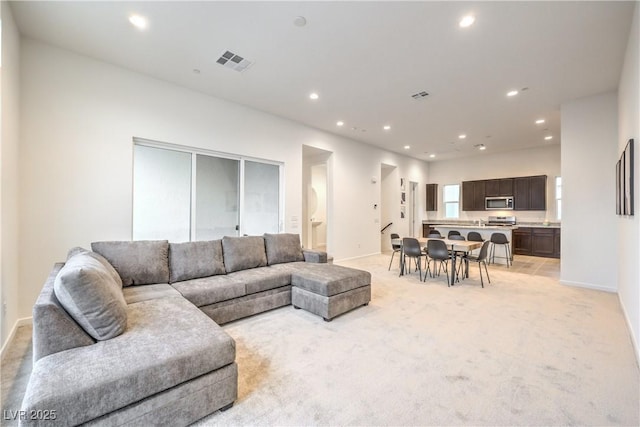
[474, 236]
[434, 236]
[452, 233]
[481, 259]
[437, 251]
[411, 248]
[397, 247]
[434, 233]
[462, 256]
[501, 240]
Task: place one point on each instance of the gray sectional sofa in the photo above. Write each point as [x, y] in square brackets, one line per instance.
[128, 333]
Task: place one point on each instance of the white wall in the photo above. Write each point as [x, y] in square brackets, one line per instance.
[589, 155]
[9, 276]
[544, 160]
[78, 119]
[629, 226]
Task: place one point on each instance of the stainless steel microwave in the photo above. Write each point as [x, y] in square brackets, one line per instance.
[498, 203]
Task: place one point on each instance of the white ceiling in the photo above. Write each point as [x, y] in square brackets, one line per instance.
[366, 59]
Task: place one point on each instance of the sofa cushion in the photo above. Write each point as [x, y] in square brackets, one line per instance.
[112, 271]
[133, 294]
[242, 253]
[262, 279]
[284, 247]
[209, 290]
[140, 262]
[167, 341]
[89, 293]
[192, 260]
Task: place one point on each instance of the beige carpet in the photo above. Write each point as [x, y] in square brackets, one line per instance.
[523, 351]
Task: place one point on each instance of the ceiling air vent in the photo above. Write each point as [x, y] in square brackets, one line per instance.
[420, 95]
[233, 61]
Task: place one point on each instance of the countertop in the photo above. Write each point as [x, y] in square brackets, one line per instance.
[475, 227]
[473, 224]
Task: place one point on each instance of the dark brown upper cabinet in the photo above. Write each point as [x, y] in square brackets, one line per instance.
[499, 187]
[530, 193]
[432, 197]
[473, 194]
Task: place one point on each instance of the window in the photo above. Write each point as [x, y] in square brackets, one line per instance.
[182, 194]
[451, 200]
[558, 198]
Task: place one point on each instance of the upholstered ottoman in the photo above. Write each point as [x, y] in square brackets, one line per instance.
[329, 290]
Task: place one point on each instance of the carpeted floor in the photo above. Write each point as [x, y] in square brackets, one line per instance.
[524, 350]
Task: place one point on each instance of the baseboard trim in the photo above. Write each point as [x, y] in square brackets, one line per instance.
[20, 322]
[356, 257]
[588, 286]
[634, 340]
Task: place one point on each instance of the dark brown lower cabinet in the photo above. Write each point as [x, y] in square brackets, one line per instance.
[522, 241]
[542, 242]
[535, 241]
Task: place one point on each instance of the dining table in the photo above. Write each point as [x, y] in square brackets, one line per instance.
[453, 246]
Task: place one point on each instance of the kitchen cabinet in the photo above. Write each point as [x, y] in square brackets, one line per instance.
[537, 241]
[530, 193]
[432, 197]
[542, 242]
[522, 241]
[538, 193]
[499, 187]
[473, 194]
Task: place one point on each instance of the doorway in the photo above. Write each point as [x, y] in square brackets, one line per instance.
[315, 198]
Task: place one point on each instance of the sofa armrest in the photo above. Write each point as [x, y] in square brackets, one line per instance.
[318, 257]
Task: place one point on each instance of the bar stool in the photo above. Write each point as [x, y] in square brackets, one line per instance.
[500, 239]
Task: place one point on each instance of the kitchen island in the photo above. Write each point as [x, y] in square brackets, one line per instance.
[485, 231]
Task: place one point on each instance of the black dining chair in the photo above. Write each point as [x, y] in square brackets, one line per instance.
[453, 233]
[481, 259]
[462, 256]
[474, 236]
[411, 249]
[437, 251]
[397, 247]
[501, 240]
[434, 232]
[434, 236]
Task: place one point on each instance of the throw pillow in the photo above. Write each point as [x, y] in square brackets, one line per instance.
[89, 293]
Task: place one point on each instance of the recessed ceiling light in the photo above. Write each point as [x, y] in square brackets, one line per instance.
[314, 96]
[539, 121]
[406, 147]
[196, 71]
[512, 93]
[467, 21]
[138, 21]
[340, 123]
[386, 127]
[480, 146]
[432, 155]
[548, 137]
[462, 136]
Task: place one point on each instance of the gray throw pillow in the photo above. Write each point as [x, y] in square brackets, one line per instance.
[193, 260]
[242, 253]
[142, 262]
[282, 248]
[89, 293]
[112, 271]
